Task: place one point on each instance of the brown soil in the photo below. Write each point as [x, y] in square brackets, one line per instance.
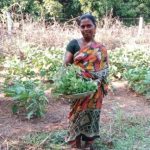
[56, 117]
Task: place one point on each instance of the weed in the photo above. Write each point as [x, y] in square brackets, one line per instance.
[123, 133]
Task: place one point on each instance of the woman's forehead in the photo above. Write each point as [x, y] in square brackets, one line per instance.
[86, 21]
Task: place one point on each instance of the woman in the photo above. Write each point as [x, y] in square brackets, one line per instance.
[91, 56]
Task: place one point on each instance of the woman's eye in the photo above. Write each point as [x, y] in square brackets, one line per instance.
[86, 26]
[82, 27]
[89, 26]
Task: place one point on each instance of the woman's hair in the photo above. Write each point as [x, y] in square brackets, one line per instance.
[88, 16]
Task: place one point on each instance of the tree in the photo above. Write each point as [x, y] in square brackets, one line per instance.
[54, 8]
[66, 9]
[130, 8]
[97, 7]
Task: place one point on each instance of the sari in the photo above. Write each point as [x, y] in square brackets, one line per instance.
[84, 117]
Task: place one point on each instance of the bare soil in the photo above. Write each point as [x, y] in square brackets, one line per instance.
[12, 126]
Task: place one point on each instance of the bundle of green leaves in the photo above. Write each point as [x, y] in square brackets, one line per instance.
[28, 98]
[68, 81]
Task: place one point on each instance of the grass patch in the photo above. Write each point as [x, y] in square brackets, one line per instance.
[124, 133]
[130, 133]
[52, 140]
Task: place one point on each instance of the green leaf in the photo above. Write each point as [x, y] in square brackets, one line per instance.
[42, 72]
[21, 96]
[15, 109]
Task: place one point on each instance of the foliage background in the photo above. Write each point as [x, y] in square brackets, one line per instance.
[32, 54]
[63, 10]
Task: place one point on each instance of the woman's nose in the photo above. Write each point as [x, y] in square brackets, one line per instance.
[86, 28]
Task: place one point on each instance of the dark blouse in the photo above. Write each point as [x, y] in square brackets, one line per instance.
[73, 46]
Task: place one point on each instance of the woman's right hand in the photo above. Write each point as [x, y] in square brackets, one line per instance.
[68, 58]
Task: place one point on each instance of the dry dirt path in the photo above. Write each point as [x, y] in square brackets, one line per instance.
[56, 117]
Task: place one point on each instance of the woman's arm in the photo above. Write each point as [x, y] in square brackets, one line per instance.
[71, 49]
[68, 58]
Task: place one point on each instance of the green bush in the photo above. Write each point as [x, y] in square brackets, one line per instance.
[36, 64]
[28, 98]
[134, 66]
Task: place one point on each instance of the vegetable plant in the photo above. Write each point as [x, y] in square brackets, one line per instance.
[28, 97]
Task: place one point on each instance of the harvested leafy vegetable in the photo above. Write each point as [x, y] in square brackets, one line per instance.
[68, 81]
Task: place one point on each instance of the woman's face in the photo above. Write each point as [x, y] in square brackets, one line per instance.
[87, 28]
